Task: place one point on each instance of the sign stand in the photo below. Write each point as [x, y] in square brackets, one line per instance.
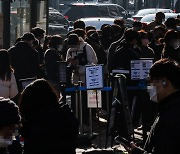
[98, 119]
[119, 121]
[94, 81]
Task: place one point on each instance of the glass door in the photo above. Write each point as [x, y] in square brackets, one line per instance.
[20, 17]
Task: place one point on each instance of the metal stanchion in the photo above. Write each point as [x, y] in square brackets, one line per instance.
[80, 108]
[98, 119]
[90, 121]
[107, 96]
[77, 101]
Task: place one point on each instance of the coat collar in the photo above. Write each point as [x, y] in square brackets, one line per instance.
[169, 101]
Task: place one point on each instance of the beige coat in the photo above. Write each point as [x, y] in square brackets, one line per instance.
[8, 89]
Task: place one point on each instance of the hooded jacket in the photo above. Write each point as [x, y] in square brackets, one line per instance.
[91, 59]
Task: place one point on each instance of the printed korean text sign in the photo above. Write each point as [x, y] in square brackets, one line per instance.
[92, 101]
[140, 69]
[94, 77]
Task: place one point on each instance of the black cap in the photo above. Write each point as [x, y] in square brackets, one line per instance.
[9, 112]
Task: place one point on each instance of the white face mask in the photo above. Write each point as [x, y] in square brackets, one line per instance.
[59, 48]
[152, 93]
[42, 40]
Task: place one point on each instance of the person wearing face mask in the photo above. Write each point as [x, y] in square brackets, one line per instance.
[122, 60]
[79, 54]
[165, 90]
[126, 52]
[171, 48]
[39, 34]
[144, 50]
[155, 43]
[52, 56]
[9, 120]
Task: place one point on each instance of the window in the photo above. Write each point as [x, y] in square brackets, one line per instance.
[113, 11]
[57, 19]
[122, 11]
[103, 11]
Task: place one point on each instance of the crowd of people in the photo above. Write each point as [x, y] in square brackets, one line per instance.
[45, 122]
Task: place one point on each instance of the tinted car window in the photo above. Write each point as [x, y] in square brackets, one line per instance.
[103, 11]
[94, 10]
[113, 11]
[57, 19]
[76, 12]
[122, 11]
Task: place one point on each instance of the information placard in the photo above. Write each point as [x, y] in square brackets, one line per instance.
[25, 82]
[140, 68]
[91, 97]
[94, 77]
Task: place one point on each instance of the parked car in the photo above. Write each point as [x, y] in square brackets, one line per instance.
[141, 13]
[151, 17]
[58, 24]
[84, 10]
[97, 22]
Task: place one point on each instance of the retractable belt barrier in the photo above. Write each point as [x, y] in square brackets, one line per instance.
[71, 89]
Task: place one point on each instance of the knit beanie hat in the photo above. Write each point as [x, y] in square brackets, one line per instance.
[9, 112]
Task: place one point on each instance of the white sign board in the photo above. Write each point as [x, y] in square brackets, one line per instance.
[94, 77]
[140, 69]
[91, 97]
[25, 82]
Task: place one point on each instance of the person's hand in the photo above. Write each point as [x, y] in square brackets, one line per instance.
[131, 148]
[73, 61]
[69, 60]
